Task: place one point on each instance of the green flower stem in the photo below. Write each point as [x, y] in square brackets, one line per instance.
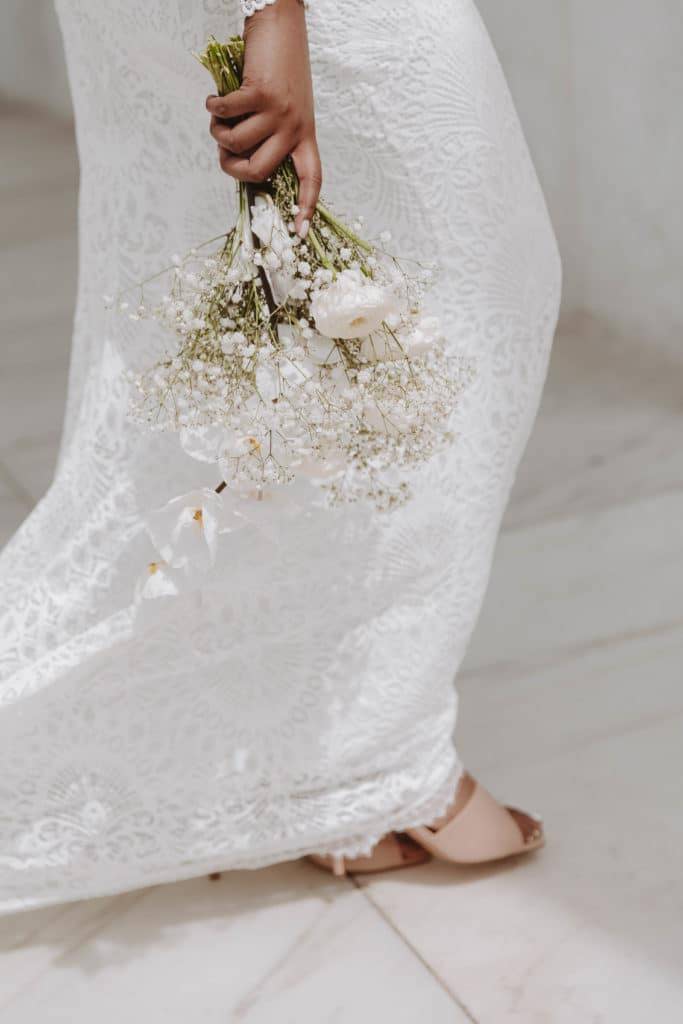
[315, 243]
[341, 229]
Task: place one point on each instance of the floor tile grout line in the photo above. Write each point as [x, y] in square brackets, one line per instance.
[570, 653]
[247, 1001]
[604, 507]
[415, 952]
[559, 753]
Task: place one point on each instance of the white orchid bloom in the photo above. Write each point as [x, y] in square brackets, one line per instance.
[185, 531]
[271, 230]
[160, 581]
[158, 585]
[269, 227]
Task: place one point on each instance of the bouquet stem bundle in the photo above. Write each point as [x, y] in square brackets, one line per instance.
[300, 358]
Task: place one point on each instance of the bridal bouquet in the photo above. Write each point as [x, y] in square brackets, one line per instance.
[298, 359]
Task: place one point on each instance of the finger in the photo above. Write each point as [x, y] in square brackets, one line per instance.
[246, 100]
[242, 137]
[260, 165]
[306, 159]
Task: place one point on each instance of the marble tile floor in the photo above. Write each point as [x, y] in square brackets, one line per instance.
[571, 703]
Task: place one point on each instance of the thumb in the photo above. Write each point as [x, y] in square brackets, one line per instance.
[309, 169]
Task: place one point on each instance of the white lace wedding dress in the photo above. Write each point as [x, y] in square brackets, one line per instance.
[306, 702]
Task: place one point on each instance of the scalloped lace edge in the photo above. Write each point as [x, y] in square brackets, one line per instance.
[432, 806]
[250, 7]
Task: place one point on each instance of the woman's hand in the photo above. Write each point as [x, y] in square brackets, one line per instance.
[272, 115]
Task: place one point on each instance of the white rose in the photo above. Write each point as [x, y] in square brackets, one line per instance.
[352, 306]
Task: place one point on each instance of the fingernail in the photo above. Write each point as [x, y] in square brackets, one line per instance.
[304, 229]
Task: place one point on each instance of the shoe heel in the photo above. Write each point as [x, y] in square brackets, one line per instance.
[338, 867]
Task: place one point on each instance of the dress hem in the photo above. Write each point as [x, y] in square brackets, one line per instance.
[425, 809]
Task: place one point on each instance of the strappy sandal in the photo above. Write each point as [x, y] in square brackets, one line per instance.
[392, 852]
[481, 832]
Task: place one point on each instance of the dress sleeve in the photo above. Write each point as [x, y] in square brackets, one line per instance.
[250, 7]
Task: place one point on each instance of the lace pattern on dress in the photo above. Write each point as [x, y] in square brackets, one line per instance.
[304, 701]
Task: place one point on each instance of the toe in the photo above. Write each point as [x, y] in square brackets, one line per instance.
[529, 825]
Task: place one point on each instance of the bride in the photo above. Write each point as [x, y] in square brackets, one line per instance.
[304, 704]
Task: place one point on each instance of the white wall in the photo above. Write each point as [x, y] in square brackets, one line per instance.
[598, 86]
[628, 81]
[533, 41]
[31, 61]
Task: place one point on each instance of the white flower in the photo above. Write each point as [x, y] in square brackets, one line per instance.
[425, 335]
[352, 306]
[160, 581]
[185, 531]
[298, 290]
[212, 444]
[269, 227]
[267, 383]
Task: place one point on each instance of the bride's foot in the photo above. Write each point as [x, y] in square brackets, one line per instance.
[476, 829]
[392, 852]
